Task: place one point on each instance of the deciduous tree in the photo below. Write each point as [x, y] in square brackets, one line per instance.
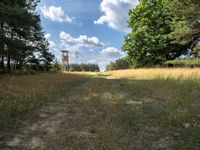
[149, 43]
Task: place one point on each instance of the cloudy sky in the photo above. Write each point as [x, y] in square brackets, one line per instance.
[91, 30]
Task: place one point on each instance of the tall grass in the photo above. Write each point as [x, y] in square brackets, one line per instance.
[178, 73]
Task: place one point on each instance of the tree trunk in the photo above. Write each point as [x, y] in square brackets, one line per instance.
[9, 53]
[2, 58]
[8, 61]
[9, 49]
[2, 49]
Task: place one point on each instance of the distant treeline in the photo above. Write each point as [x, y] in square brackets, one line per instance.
[84, 67]
[122, 63]
[76, 67]
[22, 41]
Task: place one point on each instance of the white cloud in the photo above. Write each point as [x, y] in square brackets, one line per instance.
[111, 52]
[55, 14]
[116, 13]
[81, 41]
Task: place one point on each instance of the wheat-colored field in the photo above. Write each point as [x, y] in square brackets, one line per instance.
[173, 73]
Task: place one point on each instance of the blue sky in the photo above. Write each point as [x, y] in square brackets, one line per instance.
[91, 30]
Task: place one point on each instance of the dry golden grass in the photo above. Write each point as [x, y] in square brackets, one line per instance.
[82, 73]
[126, 109]
[170, 99]
[21, 94]
[173, 73]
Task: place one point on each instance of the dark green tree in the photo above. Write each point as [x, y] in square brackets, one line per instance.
[186, 24]
[21, 35]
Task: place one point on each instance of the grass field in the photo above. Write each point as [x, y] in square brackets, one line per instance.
[127, 109]
[22, 94]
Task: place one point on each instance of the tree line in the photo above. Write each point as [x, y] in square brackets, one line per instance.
[84, 67]
[163, 30]
[122, 63]
[22, 41]
[57, 66]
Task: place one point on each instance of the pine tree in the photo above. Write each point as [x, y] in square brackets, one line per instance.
[21, 35]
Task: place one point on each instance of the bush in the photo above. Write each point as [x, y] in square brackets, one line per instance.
[191, 63]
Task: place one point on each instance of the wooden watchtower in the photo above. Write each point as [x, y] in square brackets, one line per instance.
[65, 60]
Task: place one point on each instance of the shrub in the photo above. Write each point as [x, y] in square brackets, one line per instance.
[191, 63]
